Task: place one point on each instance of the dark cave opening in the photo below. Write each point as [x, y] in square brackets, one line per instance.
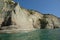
[43, 23]
[7, 20]
[6, 23]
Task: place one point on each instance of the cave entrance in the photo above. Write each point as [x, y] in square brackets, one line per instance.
[7, 20]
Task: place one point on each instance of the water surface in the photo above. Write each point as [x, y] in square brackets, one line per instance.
[42, 34]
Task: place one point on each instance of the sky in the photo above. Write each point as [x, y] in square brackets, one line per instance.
[43, 6]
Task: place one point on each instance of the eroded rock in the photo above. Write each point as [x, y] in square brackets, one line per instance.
[16, 18]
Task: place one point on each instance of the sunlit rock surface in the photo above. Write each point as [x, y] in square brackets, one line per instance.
[52, 21]
[14, 18]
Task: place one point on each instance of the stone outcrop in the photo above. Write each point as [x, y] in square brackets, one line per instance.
[59, 19]
[15, 18]
[52, 21]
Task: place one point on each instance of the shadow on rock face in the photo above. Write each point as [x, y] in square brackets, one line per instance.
[43, 24]
[7, 20]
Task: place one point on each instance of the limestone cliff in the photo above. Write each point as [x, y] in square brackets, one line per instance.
[15, 18]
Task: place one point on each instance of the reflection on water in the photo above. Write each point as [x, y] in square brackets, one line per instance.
[42, 34]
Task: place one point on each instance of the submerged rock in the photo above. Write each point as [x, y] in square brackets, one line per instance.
[16, 18]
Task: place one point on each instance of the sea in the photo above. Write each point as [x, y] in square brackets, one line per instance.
[40, 34]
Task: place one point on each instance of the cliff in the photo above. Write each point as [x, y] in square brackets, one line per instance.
[14, 18]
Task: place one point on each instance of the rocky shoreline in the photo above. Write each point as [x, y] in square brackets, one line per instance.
[14, 18]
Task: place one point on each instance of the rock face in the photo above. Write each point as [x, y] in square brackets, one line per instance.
[52, 21]
[15, 18]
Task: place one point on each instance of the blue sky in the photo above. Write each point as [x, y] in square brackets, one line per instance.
[43, 6]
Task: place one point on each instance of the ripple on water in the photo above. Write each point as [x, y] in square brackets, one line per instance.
[42, 34]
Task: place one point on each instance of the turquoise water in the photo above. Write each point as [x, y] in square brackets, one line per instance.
[42, 34]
